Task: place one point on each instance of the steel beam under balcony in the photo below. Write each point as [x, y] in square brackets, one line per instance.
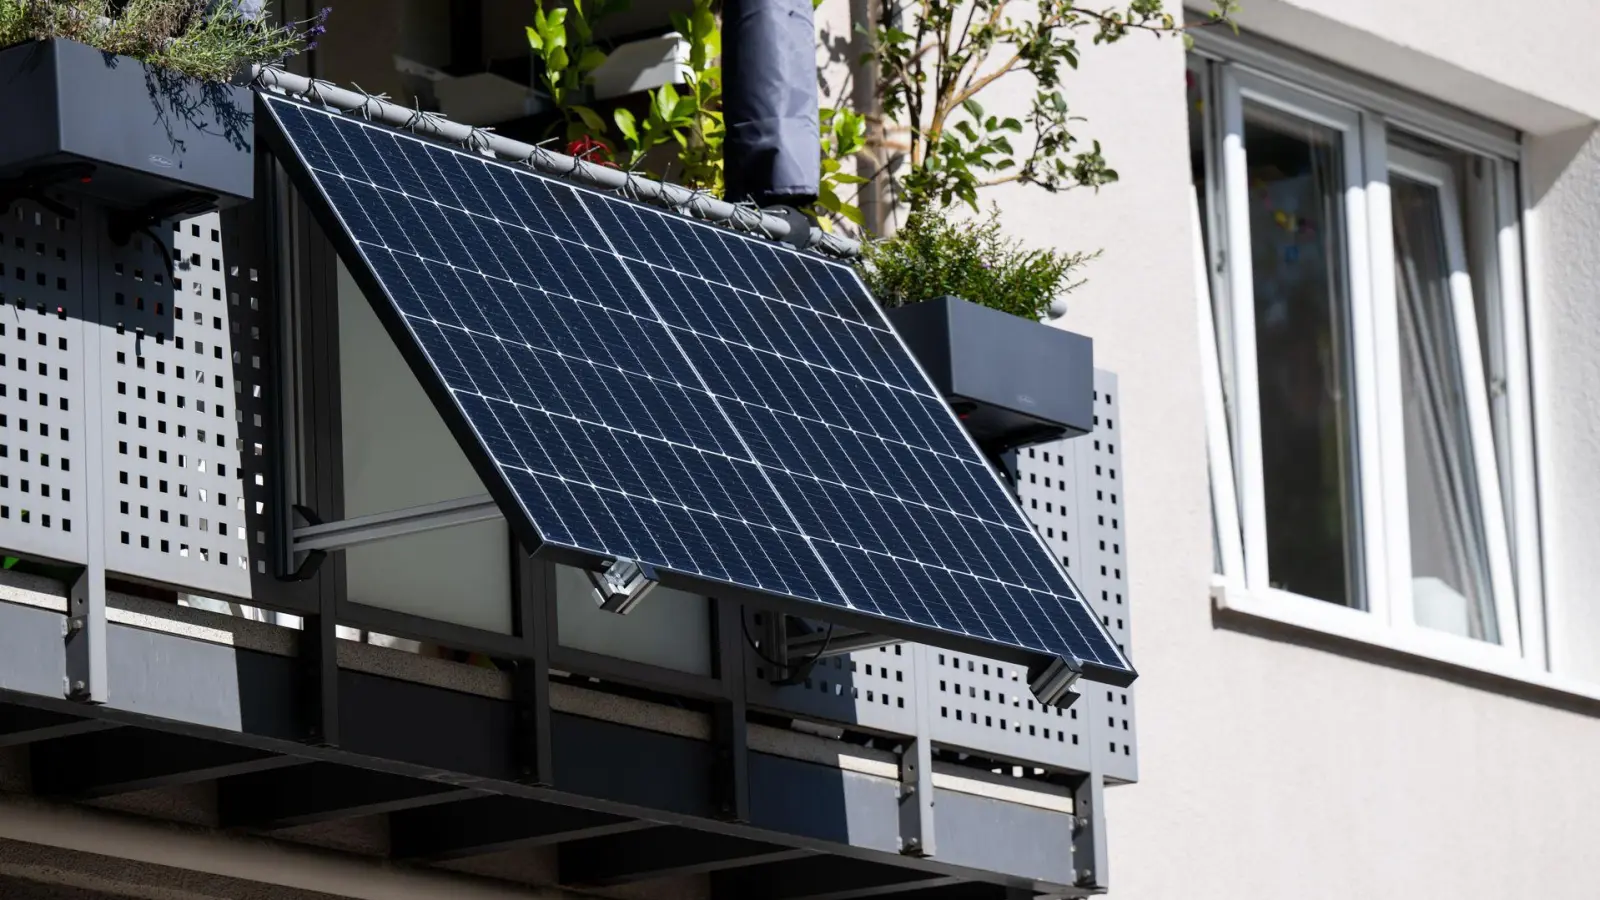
[494, 824]
[117, 761]
[841, 879]
[241, 712]
[322, 792]
[25, 725]
[660, 853]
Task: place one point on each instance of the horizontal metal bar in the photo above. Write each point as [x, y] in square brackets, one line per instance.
[696, 203]
[247, 699]
[842, 641]
[395, 523]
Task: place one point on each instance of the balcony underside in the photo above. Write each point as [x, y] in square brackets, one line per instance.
[211, 713]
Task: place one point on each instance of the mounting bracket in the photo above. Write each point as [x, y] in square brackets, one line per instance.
[622, 584]
[799, 235]
[304, 563]
[1052, 684]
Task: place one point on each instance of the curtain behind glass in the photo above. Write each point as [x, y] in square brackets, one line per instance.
[1449, 562]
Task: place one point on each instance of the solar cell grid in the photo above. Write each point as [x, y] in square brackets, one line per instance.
[664, 390]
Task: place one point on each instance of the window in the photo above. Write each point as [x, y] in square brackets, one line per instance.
[1366, 384]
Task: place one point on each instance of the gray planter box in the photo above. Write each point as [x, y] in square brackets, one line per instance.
[1012, 382]
[153, 137]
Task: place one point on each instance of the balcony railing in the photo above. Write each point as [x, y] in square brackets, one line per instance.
[160, 423]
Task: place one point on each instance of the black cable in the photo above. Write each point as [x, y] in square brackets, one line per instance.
[805, 666]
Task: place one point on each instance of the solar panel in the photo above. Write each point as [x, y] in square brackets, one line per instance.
[735, 413]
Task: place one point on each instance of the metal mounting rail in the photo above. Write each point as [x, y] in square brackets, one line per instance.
[396, 523]
[824, 644]
[695, 203]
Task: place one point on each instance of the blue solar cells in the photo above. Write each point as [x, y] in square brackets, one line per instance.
[710, 403]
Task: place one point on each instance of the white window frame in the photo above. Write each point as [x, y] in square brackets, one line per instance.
[1500, 418]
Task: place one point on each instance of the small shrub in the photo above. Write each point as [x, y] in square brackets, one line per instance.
[934, 254]
[213, 40]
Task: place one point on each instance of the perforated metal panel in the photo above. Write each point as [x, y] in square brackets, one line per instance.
[174, 488]
[42, 435]
[171, 335]
[1072, 491]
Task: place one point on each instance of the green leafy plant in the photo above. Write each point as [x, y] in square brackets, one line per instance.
[685, 117]
[936, 57]
[562, 39]
[692, 118]
[205, 39]
[935, 253]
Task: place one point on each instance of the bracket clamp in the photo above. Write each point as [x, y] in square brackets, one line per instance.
[799, 235]
[622, 584]
[1052, 684]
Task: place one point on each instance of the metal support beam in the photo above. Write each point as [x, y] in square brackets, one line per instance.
[916, 771]
[395, 523]
[533, 584]
[966, 890]
[730, 728]
[530, 694]
[916, 799]
[842, 878]
[322, 792]
[24, 725]
[1089, 855]
[661, 853]
[126, 759]
[493, 824]
[318, 670]
[85, 678]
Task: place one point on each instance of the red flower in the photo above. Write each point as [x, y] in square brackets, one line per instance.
[590, 150]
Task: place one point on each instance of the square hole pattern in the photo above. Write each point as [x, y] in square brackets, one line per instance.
[43, 451]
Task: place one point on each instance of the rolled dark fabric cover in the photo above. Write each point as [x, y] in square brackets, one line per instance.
[772, 153]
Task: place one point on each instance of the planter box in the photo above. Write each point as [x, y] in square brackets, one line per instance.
[150, 134]
[1012, 382]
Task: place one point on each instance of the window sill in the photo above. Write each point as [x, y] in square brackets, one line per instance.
[1462, 655]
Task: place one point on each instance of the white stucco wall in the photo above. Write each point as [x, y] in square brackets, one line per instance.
[1276, 765]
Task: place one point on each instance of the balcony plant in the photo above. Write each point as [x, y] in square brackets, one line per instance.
[677, 132]
[1012, 380]
[136, 103]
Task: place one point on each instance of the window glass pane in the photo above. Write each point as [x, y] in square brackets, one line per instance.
[1295, 189]
[1449, 560]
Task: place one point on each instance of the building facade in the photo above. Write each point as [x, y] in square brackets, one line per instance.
[1343, 288]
